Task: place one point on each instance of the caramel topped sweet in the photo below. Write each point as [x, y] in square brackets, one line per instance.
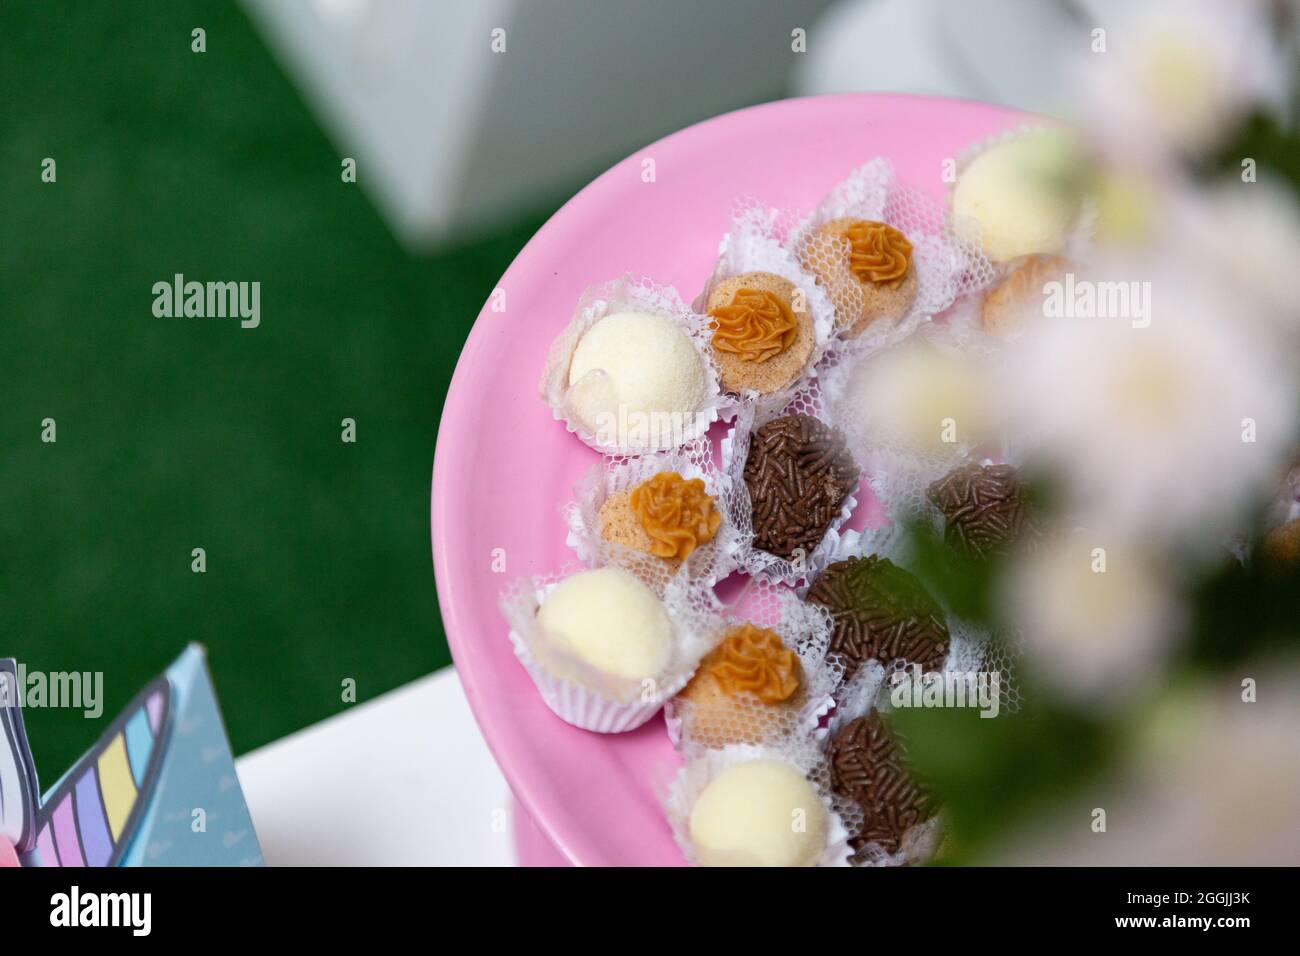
[677, 514]
[755, 326]
[754, 660]
[878, 253]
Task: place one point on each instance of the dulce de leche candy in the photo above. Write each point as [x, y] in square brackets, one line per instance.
[754, 660]
[747, 690]
[666, 516]
[866, 268]
[878, 253]
[677, 515]
[763, 334]
[755, 325]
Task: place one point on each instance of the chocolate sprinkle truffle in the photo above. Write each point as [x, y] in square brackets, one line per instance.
[868, 766]
[881, 612]
[798, 474]
[984, 508]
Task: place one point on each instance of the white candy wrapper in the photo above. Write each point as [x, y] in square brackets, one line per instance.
[701, 769]
[760, 564]
[946, 267]
[581, 695]
[806, 630]
[708, 564]
[636, 432]
[758, 242]
[1078, 241]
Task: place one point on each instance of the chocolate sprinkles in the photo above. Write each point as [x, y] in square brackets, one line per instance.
[868, 766]
[879, 611]
[798, 474]
[984, 509]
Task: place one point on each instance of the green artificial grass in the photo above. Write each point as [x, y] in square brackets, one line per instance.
[175, 434]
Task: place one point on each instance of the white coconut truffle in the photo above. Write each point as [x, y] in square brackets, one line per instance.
[1020, 197]
[631, 369]
[758, 813]
[611, 621]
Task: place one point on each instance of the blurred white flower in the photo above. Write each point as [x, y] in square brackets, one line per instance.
[919, 398]
[1095, 615]
[1249, 234]
[1217, 784]
[1176, 75]
[1162, 420]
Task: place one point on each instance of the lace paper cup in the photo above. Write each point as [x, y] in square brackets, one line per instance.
[757, 243]
[735, 448]
[581, 695]
[1062, 228]
[701, 770]
[714, 721]
[611, 483]
[942, 267]
[919, 844]
[596, 381]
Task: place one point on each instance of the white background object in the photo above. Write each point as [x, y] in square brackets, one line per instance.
[451, 137]
[403, 780]
[999, 51]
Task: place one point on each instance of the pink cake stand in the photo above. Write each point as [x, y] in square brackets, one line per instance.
[503, 465]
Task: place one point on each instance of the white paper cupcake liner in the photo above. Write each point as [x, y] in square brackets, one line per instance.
[1078, 241]
[639, 295]
[806, 630]
[701, 769]
[708, 564]
[582, 696]
[734, 449]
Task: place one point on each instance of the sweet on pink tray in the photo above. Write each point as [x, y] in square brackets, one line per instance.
[503, 465]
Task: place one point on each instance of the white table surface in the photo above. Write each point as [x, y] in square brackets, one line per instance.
[401, 780]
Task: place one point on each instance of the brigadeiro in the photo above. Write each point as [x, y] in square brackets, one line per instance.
[984, 507]
[880, 612]
[868, 766]
[799, 475]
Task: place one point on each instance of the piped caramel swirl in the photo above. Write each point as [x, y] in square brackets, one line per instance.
[677, 514]
[754, 660]
[878, 253]
[755, 326]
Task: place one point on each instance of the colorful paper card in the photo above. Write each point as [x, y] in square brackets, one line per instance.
[158, 789]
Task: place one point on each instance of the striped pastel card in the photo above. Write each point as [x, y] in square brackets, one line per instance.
[89, 818]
